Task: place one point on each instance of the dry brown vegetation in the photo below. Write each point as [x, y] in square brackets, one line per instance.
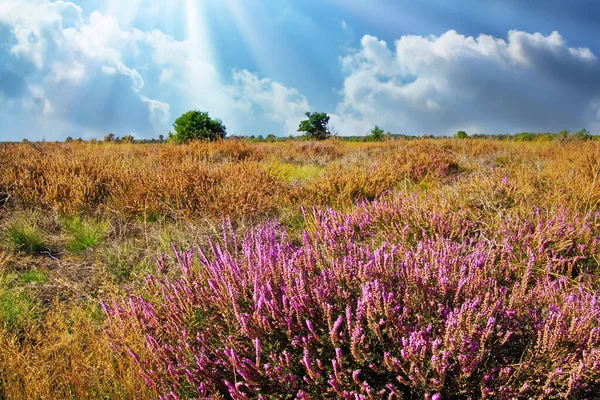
[131, 202]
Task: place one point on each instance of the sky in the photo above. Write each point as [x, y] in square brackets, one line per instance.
[430, 67]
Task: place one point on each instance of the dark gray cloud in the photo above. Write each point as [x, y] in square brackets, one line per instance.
[13, 72]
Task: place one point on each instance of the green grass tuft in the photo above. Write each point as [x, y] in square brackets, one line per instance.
[33, 276]
[125, 262]
[25, 237]
[17, 307]
[84, 234]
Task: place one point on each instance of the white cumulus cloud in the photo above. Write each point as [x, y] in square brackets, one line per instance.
[94, 76]
[437, 85]
[77, 68]
[63, 73]
[271, 99]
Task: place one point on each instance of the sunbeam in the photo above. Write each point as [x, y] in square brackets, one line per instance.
[203, 82]
[126, 11]
[197, 31]
[249, 31]
[260, 38]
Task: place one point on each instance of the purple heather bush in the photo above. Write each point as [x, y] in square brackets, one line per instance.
[389, 301]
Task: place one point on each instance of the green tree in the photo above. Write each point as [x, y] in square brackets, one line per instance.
[461, 135]
[376, 134]
[563, 135]
[197, 125]
[110, 137]
[128, 139]
[582, 135]
[316, 126]
[523, 137]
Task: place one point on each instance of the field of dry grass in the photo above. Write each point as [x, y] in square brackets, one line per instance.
[83, 222]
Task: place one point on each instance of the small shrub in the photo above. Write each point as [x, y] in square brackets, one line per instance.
[523, 137]
[128, 139]
[582, 135]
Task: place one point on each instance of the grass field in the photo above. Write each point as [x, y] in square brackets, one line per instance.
[424, 268]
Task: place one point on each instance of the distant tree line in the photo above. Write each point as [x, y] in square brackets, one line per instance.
[197, 125]
[375, 135]
[562, 136]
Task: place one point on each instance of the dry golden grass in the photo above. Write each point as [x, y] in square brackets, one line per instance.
[65, 357]
[224, 179]
[155, 194]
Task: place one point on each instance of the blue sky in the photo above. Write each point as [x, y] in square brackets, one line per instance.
[88, 68]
